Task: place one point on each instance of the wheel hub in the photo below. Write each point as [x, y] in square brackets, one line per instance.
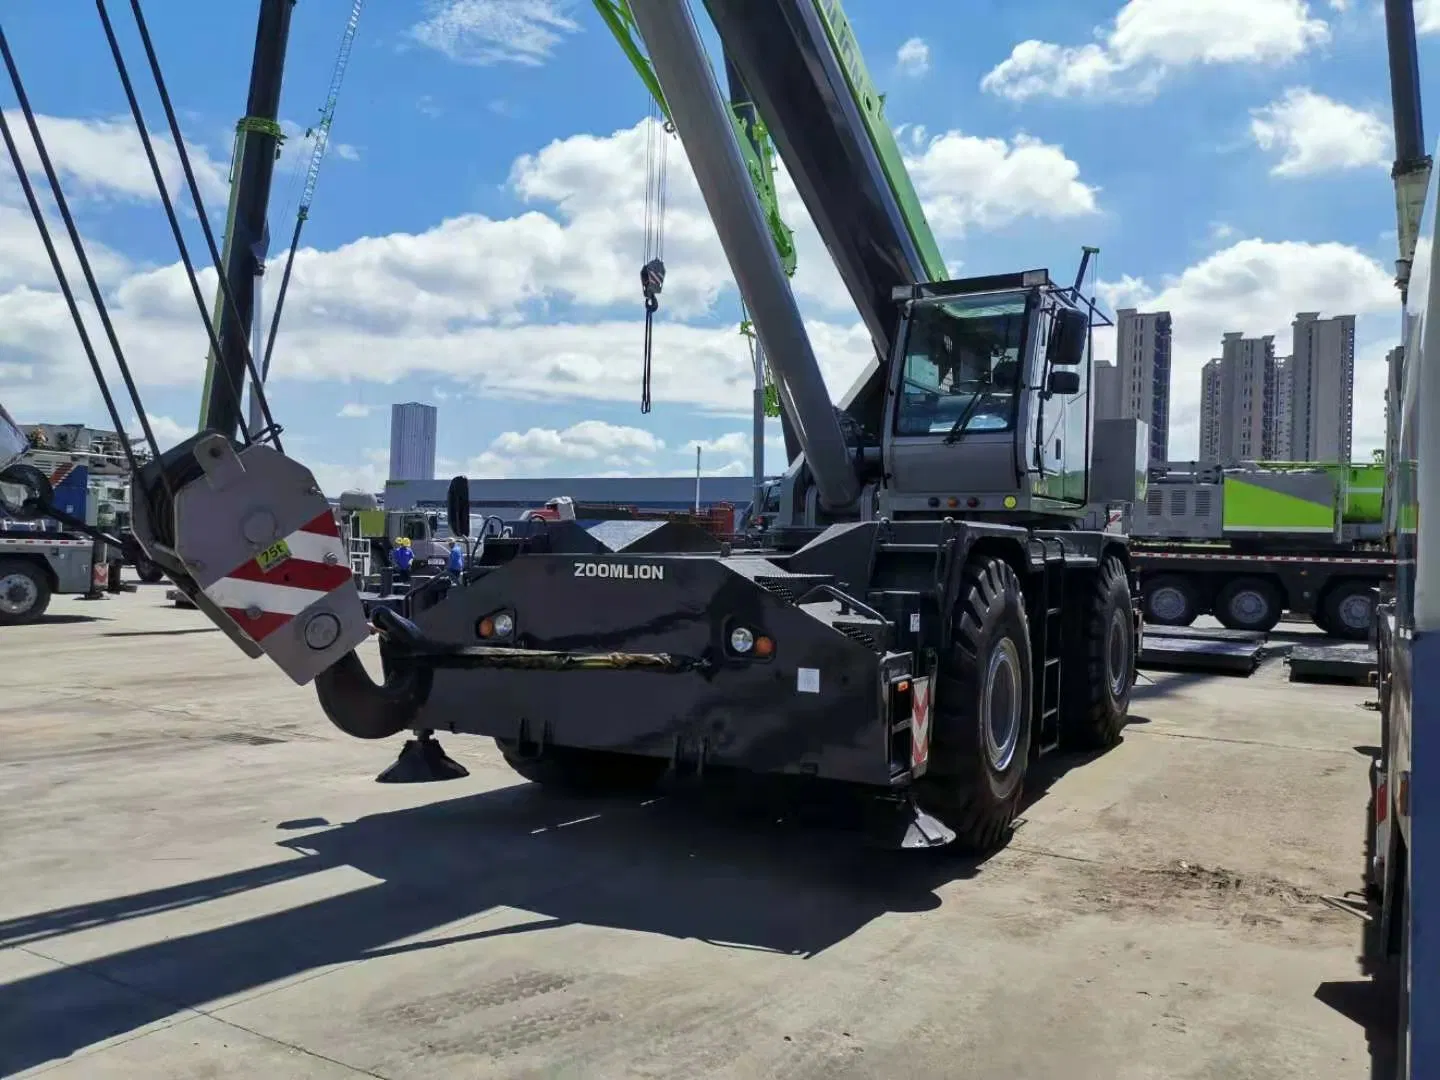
[1116, 652]
[17, 594]
[1249, 606]
[1000, 705]
[1355, 612]
[1167, 603]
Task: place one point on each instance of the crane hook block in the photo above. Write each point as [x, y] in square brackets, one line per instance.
[251, 539]
[652, 280]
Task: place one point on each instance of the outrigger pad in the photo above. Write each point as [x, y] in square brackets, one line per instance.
[905, 826]
[422, 761]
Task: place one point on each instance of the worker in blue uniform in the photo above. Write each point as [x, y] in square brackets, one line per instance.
[456, 562]
[404, 556]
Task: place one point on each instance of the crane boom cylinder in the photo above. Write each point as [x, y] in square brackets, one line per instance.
[250, 200]
[702, 120]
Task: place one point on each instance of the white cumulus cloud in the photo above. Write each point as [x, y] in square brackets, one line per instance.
[913, 57]
[487, 32]
[1256, 287]
[1311, 133]
[1149, 39]
[473, 298]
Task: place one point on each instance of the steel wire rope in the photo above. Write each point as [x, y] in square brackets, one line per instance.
[271, 428]
[169, 207]
[312, 172]
[63, 206]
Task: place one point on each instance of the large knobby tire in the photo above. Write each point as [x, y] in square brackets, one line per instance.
[579, 771]
[1171, 600]
[1249, 604]
[980, 735]
[1348, 610]
[24, 592]
[1098, 671]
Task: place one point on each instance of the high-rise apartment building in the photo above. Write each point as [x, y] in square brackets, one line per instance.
[1243, 407]
[1322, 383]
[1284, 385]
[412, 441]
[1210, 411]
[1137, 385]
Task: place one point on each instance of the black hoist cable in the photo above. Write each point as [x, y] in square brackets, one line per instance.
[170, 215]
[271, 428]
[652, 273]
[96, 296]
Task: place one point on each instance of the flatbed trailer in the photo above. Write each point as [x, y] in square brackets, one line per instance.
[1252, 588]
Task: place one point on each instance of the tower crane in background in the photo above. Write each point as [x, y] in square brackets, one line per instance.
[321, 133]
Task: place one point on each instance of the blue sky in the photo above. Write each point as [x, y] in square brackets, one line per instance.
[476, 237]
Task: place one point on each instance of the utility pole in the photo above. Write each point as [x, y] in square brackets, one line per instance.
[246, 237]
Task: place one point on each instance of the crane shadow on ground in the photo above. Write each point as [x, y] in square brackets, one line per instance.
[760, 874]
[67, 619]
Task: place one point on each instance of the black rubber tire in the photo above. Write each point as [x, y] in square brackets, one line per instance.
[1171, 583]
[1266, 621]
[1096, 694]
[147, 571]
[962, 786]
[1335, 600]
[37, 578]
[578, 771]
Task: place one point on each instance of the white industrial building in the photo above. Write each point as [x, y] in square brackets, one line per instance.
[412, 441]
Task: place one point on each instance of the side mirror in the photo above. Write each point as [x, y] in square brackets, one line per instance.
[457, 507]
[13, 443]
[25, 493]
[1068, 335]
[1063, 383]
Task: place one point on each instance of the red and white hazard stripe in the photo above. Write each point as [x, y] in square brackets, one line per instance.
[263, 601]
[920, 713]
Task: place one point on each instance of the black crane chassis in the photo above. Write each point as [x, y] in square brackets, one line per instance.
[632, 653]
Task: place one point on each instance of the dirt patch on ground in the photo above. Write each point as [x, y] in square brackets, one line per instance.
[1207, 892]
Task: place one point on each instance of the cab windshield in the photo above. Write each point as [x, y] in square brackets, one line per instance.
[962, 359]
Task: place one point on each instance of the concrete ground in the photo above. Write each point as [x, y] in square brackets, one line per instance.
[203, 881]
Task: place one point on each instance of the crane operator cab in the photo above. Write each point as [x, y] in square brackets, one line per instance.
[987, 406]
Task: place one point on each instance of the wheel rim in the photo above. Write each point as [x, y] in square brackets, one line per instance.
[1000, 704]
[17, 594]
[1115, 652]
[1250, 605]
[1168, 602]
[1355, 611]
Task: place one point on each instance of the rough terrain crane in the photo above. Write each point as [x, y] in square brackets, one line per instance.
[1402, 872]
[929, 618]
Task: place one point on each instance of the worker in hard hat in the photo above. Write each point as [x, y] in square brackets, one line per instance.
[404, 557]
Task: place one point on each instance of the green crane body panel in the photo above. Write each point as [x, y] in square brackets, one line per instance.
[1364, 494]
[871, 104]
[1302, 497]
[1258, 504]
